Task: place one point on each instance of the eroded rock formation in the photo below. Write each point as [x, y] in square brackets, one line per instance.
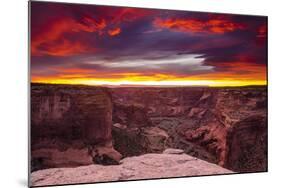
[137, 141]
[71, 126]
[227, 126]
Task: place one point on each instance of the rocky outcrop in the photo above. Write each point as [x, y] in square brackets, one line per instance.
[211, 138]
[159, 102]
[153, 139]
[243, 113]
[105, 154]
[53, 158]
[133, 133]
[70, 125]
[248, 153]
[173, 151]
[146, 166]
[131, 115]
[137, 141]
[227, 126]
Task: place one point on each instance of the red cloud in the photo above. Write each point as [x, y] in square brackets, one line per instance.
[66, 48]
[114, 32]
[127, 14]
[217, 25]
[50, 37]
[262, 34]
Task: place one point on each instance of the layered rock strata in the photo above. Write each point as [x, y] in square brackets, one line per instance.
[71, 126]
[227, 126]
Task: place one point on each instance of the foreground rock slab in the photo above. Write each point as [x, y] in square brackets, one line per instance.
[146, 166]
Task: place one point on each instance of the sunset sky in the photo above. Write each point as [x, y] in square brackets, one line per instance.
[102, 45]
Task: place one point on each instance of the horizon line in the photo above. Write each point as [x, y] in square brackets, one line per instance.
[144, 85]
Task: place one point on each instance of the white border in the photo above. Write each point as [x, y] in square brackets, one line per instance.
[14, 92]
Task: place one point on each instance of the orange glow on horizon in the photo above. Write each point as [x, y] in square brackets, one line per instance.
[253, 75]
[158, 80]
[209, 83]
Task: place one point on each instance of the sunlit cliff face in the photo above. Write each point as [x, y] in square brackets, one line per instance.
[101, 45]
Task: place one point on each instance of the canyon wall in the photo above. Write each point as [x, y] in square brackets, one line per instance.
[70, 126]
[227, 126]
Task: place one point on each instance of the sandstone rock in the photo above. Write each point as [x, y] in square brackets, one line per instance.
[106, 155]
[161, 102]
[127, 141]
[137, 141]
[70, 112]
[247, 141]
[148, 166]
[205, 96]
[206, 122]
[211, 137]
[52, 158]
[131, 115]
[173, 151]
[63, 115]
[120, 126]
[153, 139]
[197, 112]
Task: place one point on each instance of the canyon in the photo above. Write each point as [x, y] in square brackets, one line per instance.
[226, 126]
[101, 127]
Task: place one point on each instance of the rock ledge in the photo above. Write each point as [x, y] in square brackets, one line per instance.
[146, 166]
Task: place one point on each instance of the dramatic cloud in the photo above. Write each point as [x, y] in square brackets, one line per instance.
[70, 23]
[114, 32]
[218, 25]
[51, 40]
[87, 44]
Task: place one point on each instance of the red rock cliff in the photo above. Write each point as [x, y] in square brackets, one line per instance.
[70, 126]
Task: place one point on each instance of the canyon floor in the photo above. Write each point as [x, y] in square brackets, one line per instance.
[83, 134]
